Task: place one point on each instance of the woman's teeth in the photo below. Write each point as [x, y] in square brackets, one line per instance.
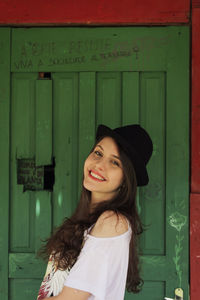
[96, 176]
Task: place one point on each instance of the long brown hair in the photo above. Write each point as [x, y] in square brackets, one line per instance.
[66, 242]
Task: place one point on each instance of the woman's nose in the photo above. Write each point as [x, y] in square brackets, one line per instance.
[101, 165]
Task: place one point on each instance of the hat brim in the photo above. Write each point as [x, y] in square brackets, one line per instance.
[138, 164]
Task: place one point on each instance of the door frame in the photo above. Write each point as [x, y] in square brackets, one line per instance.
[4, 136]
[5, 42]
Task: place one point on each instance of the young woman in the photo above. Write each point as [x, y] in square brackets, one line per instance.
[93, 254]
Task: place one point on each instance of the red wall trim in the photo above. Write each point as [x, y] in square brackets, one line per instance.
[195, 157]
[88, 12]
[195, 160]
[194, 246]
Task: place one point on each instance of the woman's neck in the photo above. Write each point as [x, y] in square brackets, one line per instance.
[100, 197]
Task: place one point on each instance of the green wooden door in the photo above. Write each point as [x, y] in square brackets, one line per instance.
[115, 76]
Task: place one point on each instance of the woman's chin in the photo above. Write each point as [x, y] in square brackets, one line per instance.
[87, 186]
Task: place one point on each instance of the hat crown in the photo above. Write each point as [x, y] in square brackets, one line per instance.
[137, 138]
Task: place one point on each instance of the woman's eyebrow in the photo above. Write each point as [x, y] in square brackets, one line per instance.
[116, 156]
[111, 155]
[100, 146]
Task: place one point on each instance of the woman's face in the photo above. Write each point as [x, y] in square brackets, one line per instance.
[103, 173]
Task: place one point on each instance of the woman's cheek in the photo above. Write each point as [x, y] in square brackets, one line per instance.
[85, 166]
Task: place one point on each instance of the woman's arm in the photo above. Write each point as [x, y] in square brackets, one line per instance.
[70, 294]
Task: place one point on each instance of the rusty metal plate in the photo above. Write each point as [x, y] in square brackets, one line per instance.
[29, 175]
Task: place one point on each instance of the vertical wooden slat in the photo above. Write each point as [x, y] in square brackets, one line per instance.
[130, 95]
[23, 115]
[43, 122]
[177, 157]
[130, 106]
[86, 117]
[43, 213]
[65, 137]
[109, 99]
[152, 103]
[22, 146]
[4, 155]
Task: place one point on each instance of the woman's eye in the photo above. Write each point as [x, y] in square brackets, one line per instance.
[97, 153]
[115, 163]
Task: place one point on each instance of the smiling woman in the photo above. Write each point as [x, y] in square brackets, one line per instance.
[93, 255]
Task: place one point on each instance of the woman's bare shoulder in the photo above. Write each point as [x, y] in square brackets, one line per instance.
[110, 224]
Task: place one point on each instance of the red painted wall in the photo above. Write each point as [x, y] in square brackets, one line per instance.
[94, 11]
[195, 157]
[194, 247]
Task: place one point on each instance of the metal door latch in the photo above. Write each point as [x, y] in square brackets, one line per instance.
[178, 295]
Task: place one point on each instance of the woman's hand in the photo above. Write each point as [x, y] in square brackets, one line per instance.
[70, 294]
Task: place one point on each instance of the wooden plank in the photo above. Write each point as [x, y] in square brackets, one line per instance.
[43, 217]
[4, 155]
[23, 146]
[154, 289]
[177, 160]
[76, 49]
[130, 96]
[109, 99]
[25, 265]
[24, 288]
[65, 133]
[87, 92]
[43, 122]
[152, 197]
[130, 106]
[23, 124]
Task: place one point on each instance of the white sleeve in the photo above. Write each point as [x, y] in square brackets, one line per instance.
[90, 272]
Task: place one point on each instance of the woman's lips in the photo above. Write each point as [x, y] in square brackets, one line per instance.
[96, 176]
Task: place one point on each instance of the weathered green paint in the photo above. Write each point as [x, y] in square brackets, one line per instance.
[147, 83]
[23, 288]
[130, 105]
[93, 49]
[177, 166]
[25, 265]
[65, 147]
[43, 122]
[4, 157]
[22, 206]
[87, 107]
[109, 98]
[152, 198]
[43, 217]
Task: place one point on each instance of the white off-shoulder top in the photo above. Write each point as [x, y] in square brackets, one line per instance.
[101, 269]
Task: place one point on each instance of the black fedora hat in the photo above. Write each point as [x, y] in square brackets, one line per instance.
[136, 143]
